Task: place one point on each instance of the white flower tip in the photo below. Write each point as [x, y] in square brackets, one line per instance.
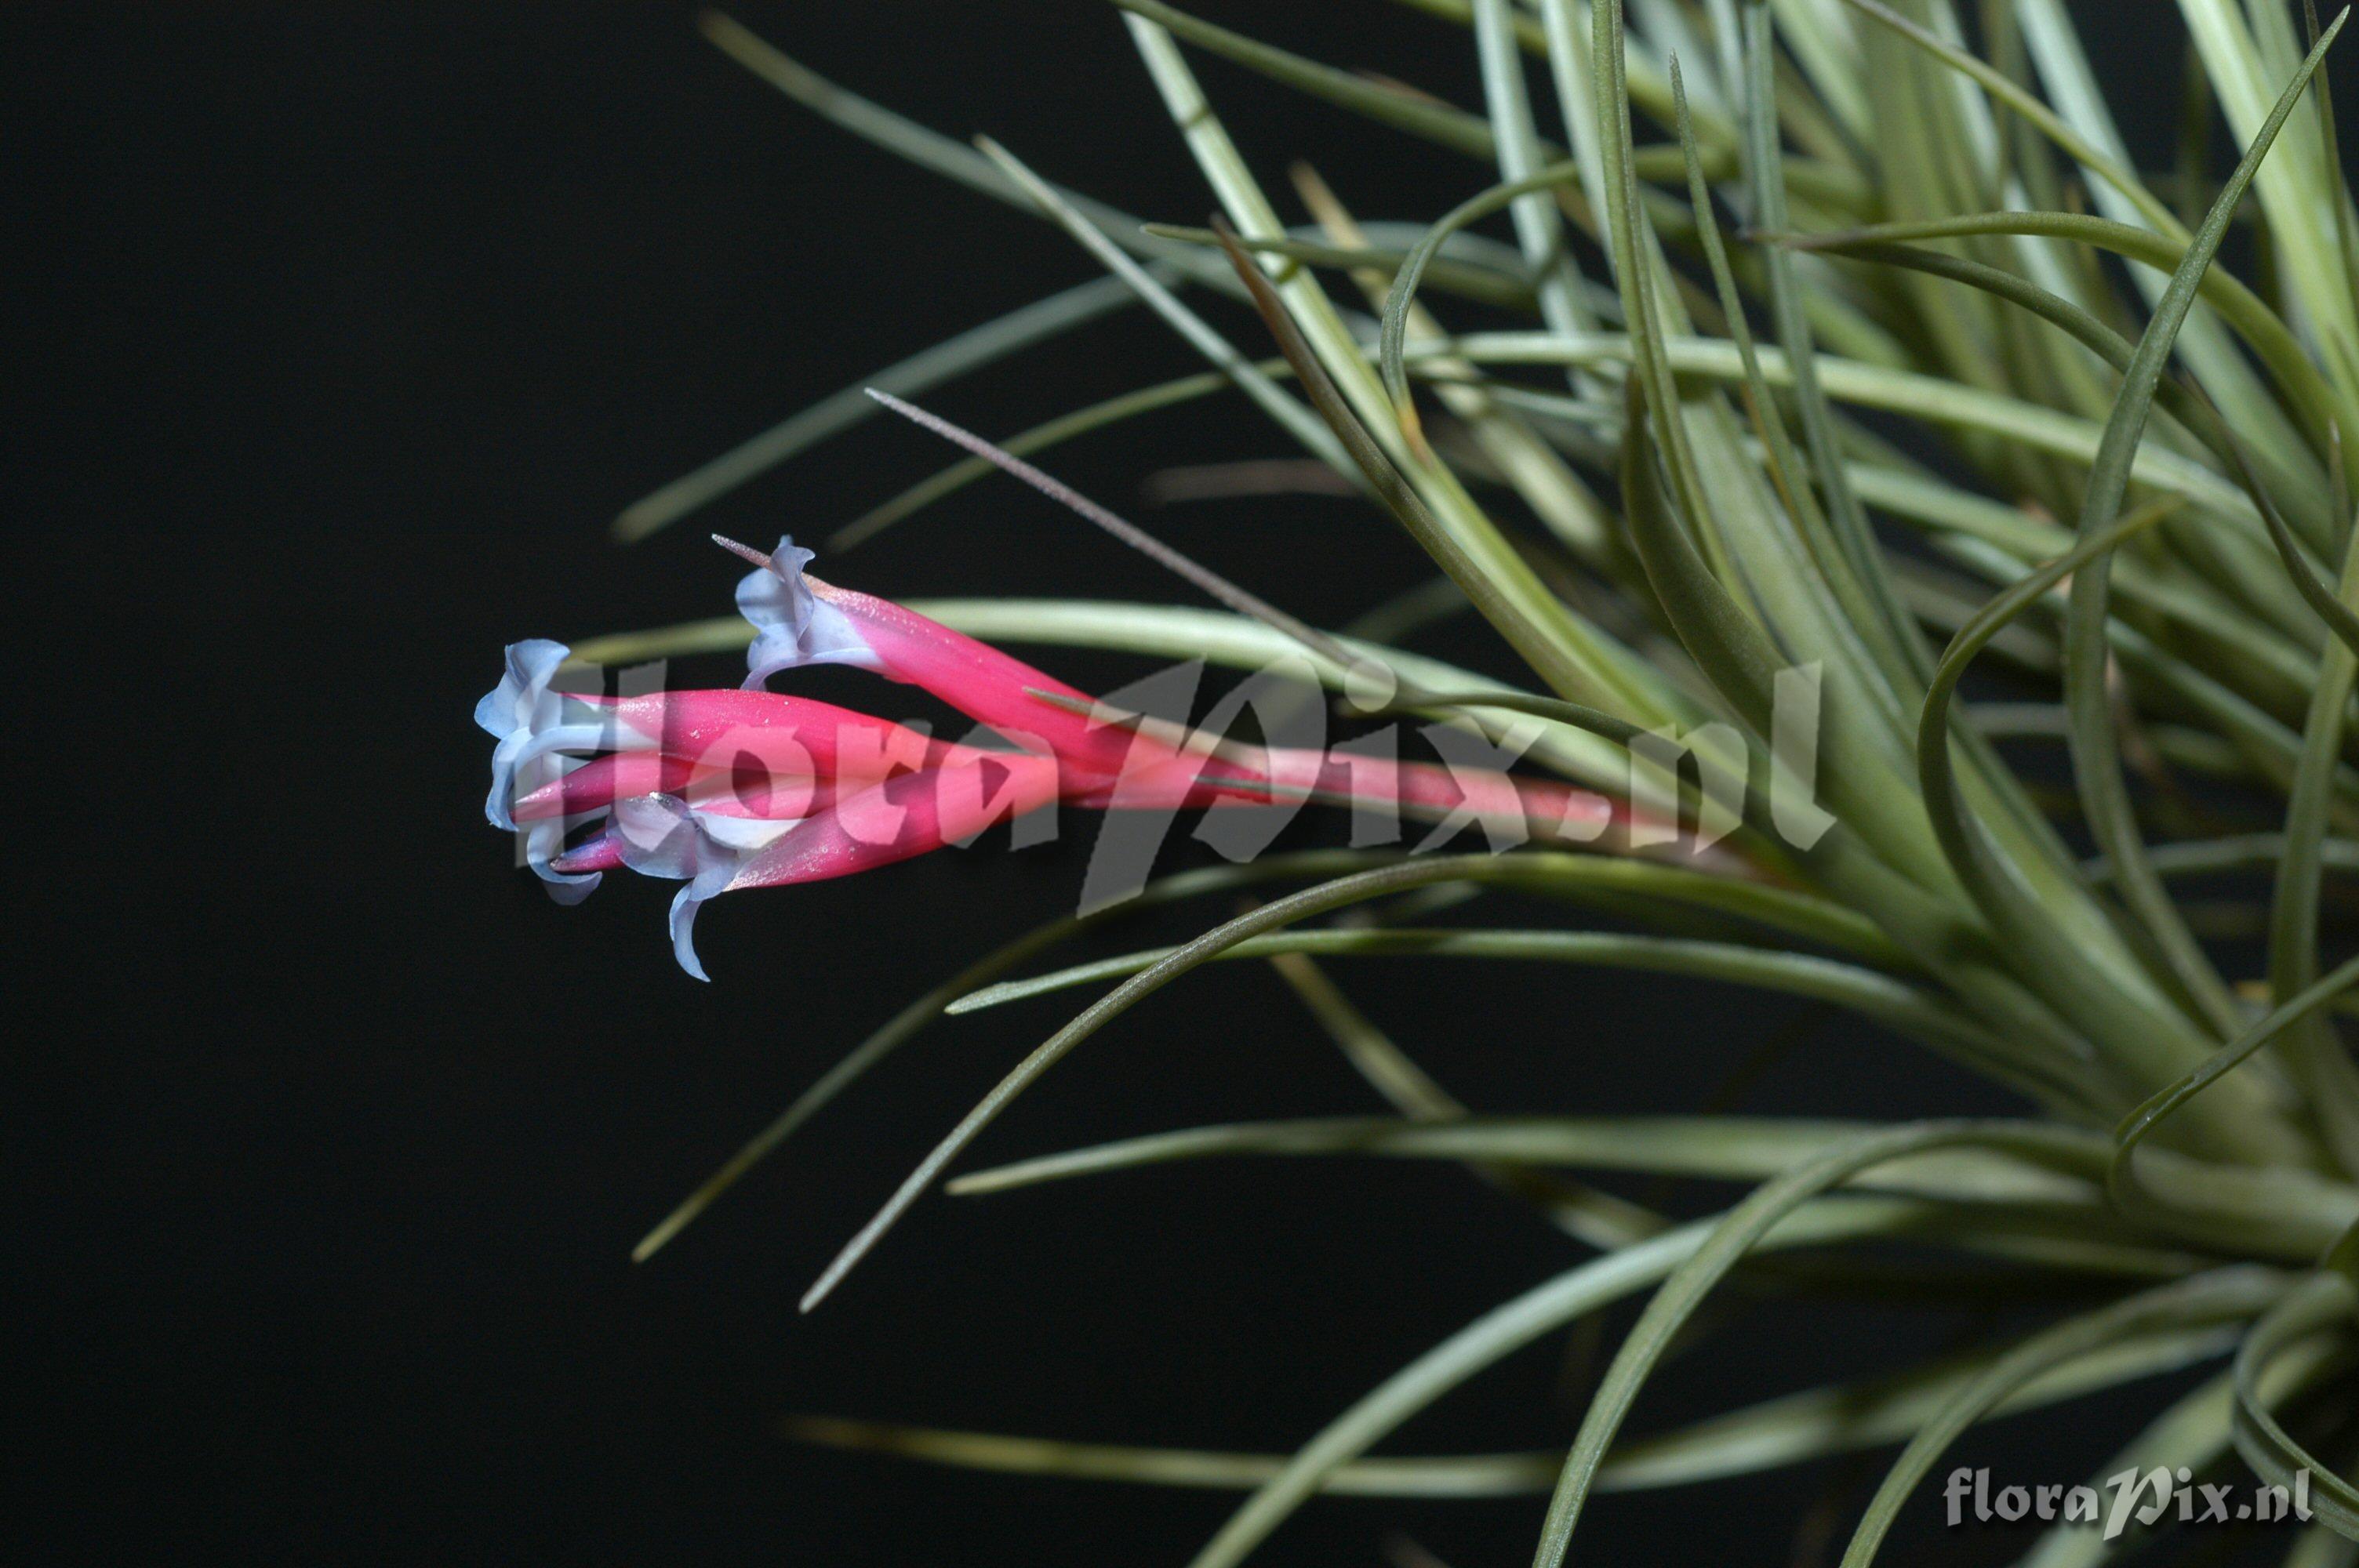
[513, 713]
[531, 664]
[792, 625]
[570, 888]
[684, 905]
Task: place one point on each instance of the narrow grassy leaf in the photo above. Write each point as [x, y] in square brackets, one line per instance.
[1289, 414]
[2224, 1295]
[1026, 443]
[2182, 1210]
[1419, 116]
[1895, 1005]
[2324, 1301]
[1539, 225]
[1792, 1430]
[1514, 1324]
[1466, 279]
[1765, 167]
[907, 1023]
[2014, 97]
[1715, 1148]
[1393, 335]
[926, 148]
[1337, 894]
[2021, 920]
[1733, 1237]
[2314, 400]
[1506, 605]
[1917, 397]
[994, 341]
[2300, 225]
[1586, 1213]
[1452, 1476]
[2320, 1064]
[2096, 761]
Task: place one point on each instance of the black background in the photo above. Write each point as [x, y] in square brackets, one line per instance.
[343, 330]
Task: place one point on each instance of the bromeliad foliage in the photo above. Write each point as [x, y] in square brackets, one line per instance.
[1774, 234]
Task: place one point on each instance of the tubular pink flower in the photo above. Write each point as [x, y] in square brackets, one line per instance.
[725, 791]
[892, 820]
[1250, 776]
[722, 789]
[745, 753]
[689, 723]
[798, 620]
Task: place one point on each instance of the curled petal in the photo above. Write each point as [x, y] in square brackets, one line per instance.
[544, 843]
[511, 705]
[531, 723]
[792, 625]
[661, 836]
[512, 712]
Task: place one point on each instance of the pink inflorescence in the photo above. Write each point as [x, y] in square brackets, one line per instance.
[729, 789]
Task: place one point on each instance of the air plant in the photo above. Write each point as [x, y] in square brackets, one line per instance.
[1857, 351]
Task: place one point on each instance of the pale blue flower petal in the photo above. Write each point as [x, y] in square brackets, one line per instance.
[514, 711]
[792, 625]
[543, 842]
[704, 886]
[657, 837]
[662, 835]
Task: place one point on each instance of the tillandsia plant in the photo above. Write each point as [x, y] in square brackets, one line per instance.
[1858, 351]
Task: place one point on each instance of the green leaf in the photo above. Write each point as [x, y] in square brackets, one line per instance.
[2182, 1209]
[926, 148]
[1332, 895]
[1765, 164]
[1392, 335]
[1026, 443]
[1289, 414]
[1716, 1148]
[2319, 1065]
[1454, 1476]
[1583, 1212]
[1890, 1002]
[1514, 1324]
[2270, 338]
[1737, 1234]
[1061, 313]
[907, 1023]
[1786, 1430]
[2021, 920]
[2224, 1295]
[2324, 1302]
[2096, 759]
[1419, 116]
[2011, 94]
